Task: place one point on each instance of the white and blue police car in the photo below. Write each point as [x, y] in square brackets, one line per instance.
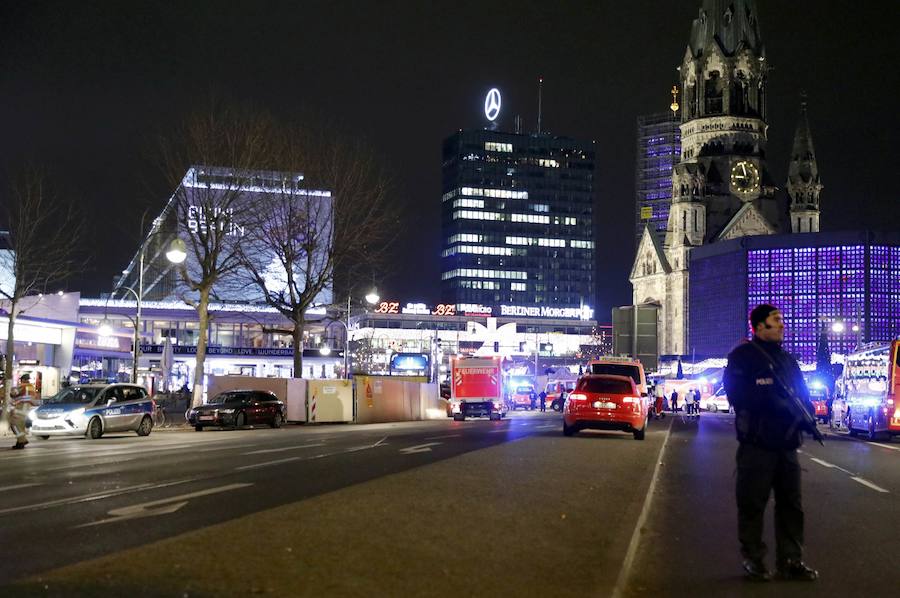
[92, 410]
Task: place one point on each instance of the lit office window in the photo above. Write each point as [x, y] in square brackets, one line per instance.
[517, 286]
[466, 238]
[530, 218]
[468, 203]
[472, 215]
[551, 242]
[478, 250]
[492, 146]
[582, 244]
[496, 193]
[480, 273]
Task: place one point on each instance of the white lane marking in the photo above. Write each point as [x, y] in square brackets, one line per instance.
[419, 448]
[893, 448]
[283, 448]
[365, 447]
[223, 448]
[444, 436]
[93, 497]
[16, 487]
[105, 450]
[499, 431]
[830, 465]
[267, 463]
[311, 457]
[869, 484]
[146, 509]
[619, 588]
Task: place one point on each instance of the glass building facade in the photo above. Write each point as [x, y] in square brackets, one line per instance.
[517, 220]
[814, 279]
[658, 150]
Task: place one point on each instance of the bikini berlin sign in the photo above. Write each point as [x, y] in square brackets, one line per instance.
[492, 104]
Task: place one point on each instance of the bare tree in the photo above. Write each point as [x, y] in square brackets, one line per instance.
[336, 221]
[220, 149]
[41, 238]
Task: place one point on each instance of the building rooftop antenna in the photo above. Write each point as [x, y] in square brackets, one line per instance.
[540, 100]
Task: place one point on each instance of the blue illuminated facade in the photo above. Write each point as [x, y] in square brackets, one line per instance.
[815, 279]
[658, 148]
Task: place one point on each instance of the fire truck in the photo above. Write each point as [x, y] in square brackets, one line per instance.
[476, 388]
[870, 384]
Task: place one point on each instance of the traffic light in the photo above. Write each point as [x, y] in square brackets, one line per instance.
[496, 346]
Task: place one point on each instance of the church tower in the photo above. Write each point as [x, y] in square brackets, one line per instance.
[721, 188]
[803, 184]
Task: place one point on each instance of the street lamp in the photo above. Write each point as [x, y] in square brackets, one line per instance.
[371, 298]
[176, 254]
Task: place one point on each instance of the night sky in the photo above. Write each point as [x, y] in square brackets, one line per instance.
[86, 88]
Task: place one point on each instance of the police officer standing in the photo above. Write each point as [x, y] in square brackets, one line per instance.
[24, 399]
[769, 434]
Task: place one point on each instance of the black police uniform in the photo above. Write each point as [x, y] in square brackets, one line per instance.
[769, 436]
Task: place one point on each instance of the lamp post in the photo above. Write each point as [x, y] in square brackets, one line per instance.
[176, 253]
[371, 298]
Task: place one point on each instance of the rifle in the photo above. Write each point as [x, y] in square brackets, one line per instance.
[794, 403]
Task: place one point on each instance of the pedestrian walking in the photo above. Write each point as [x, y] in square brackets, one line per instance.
[674, 401]
[768, 434]
[689, 402]
[543, 400]
[24, 399]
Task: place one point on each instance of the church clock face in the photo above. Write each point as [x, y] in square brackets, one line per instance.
[744, 177]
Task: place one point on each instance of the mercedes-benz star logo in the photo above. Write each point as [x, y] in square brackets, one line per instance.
[492, 104]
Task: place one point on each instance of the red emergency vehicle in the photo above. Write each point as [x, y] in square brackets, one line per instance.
[476, 387]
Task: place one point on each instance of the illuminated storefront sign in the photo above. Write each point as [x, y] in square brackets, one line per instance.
[473, 309]
[544, 311]
[90, 339]
[477, 310]
[409, 361]
[492, 104]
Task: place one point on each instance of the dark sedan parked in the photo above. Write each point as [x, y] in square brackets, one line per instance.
[238, 408]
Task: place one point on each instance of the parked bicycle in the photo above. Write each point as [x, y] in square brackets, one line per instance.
[159, 415]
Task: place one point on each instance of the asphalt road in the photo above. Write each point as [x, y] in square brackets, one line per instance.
[422, 508]
[852, 515]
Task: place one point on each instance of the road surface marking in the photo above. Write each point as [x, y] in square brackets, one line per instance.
[869, 484]
[311, 457]
[16, 487]
[364, 447]
[284, 448]
[893, 448]
[267, 463]
[830, 465]
[146, 509]
[619, 588]
[93, 497]
[420, 448]
[444, 436]
[223, 448]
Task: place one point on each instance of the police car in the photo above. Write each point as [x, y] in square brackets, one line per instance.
[91, 410]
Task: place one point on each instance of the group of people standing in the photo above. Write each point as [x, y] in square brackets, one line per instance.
[691, 401]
